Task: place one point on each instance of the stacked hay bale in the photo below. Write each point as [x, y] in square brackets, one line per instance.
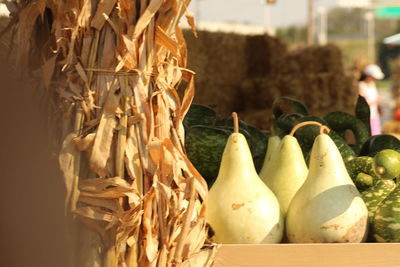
[312, 75]
[217, 58]
[263, 55]
[245, 73]
[222, 61]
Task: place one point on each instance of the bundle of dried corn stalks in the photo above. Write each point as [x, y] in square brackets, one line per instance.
[116, 66]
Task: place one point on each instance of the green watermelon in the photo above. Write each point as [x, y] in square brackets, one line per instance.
[199, 115]
[204, 147]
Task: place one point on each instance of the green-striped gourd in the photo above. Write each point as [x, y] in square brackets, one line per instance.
[386, 222]
[241, 209]
[328, 207]
[377, 193]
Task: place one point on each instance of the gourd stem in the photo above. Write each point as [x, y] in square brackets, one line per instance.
[324, 128]
[235, 122]
[295, 128]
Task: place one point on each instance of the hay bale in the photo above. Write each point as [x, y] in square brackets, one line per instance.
[221, 96]
[259, 93]
[264, 55]
[260, 118]
[315, 59]
[245, 73]
[216, 56]
[219, 61]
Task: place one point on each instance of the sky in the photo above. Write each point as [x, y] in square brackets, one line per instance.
[283, 13]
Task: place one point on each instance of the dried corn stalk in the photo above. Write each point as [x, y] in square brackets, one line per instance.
[116, 66]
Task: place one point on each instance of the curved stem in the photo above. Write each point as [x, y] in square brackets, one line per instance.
[235, 122]
[295, 128]
[324, 128]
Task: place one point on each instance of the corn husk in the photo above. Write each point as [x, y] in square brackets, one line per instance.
[114, 68]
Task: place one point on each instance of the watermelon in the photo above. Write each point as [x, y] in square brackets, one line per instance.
[199, 115]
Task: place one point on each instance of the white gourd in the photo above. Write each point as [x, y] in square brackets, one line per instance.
[328, 207]
[287, 171]
[273, 143]
[241, 209]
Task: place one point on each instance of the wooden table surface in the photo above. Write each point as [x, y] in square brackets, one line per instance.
[309, 255]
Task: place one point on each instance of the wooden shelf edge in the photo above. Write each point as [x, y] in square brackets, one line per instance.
[309, 255]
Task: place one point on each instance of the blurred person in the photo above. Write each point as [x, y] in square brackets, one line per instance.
[367, 89]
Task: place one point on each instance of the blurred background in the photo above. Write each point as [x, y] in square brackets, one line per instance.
[350, 24]
[246, 53]
[249, 52]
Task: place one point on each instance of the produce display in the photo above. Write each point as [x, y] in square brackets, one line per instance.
[153, 179]
[331, 180]
[377, 193]
[240, 207]
[328, 208]
[286, 171]
[386, 221]
[207, 134]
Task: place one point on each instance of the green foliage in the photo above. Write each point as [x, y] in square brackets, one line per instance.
[344, 21]
[292, 34]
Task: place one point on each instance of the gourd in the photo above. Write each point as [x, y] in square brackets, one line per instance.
[377, 193]
[361, 170]
[241, 209]
[387, 164]
[306, 137]
[288, 105]
[273, 143]
[287, 170]
[328, 207]
[379, 142]
[340, 121]
[363, 112]
[386, 221]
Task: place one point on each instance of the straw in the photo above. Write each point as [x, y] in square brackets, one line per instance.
[116, 67]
